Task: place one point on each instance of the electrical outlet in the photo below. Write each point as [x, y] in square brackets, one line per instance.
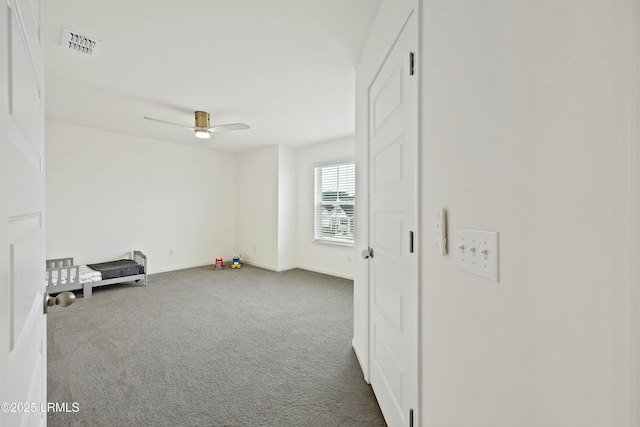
[170, 251]
[476, 251]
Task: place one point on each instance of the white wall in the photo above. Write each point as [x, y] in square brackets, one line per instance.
[527, 123]
[278, 183]
[529, 106]
[200, 204]
[109, 193]
[323, 258]
[287, 205]
[257, 206]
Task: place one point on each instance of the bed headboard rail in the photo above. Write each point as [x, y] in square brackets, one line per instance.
[62, 274]
[141, 259]
[60, 262]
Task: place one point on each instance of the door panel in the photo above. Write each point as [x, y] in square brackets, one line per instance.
[23, 187]
[389, 101]
[387, 165]
[26, 356]
[390, 372]
[24, 89]
[388, 228]
[25, 250]
[393, 269]
[388, 298]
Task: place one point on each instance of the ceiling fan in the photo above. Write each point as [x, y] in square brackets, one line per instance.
[203, 127]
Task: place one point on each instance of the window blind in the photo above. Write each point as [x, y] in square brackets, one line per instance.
[335, 192]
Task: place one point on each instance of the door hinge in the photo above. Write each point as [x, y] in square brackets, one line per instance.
[410, 417]
[410, 242]
[411, 63]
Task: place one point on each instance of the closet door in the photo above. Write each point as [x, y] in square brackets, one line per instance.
[23, 364]
[393, 224]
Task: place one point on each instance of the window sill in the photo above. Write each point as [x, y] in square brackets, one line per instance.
[333, 243]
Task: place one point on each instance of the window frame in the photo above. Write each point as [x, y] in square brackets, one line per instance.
[319, 204]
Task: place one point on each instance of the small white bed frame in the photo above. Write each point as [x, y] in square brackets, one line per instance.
[64, 267]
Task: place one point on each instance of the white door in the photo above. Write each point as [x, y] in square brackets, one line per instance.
[393, 268]
[23, 323]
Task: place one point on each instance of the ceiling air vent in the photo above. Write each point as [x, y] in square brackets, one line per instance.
[79, 42]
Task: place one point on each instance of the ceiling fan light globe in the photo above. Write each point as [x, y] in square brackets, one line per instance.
[202, 133]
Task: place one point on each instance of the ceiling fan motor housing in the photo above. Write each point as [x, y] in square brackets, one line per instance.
[202, 119]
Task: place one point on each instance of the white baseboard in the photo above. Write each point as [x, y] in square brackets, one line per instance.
[328, 273]
[181, 267]
[361, 361]
[266, 267]
[256, 264]
[302, 267]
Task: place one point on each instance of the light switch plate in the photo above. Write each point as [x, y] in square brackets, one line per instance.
[476, 251]
[440, 232]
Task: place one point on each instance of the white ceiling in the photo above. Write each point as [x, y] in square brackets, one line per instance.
[284, 67]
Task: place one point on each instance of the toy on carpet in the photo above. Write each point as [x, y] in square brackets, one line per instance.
[219, 264]
[236, 262]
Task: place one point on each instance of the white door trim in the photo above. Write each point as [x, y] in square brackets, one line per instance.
[4, 213]
[634, 199]
[413, 8]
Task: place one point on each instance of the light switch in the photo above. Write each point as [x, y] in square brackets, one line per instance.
[476, 251]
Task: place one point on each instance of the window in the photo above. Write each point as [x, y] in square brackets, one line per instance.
[335, 190]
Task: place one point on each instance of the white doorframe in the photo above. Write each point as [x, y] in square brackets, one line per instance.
[4, 213]
[634, 198]
[413, 8]
[634, 204]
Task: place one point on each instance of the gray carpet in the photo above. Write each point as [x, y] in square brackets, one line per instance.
[200, 347]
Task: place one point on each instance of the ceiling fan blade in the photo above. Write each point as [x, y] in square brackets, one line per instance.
[169, 123]
[230, 126]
